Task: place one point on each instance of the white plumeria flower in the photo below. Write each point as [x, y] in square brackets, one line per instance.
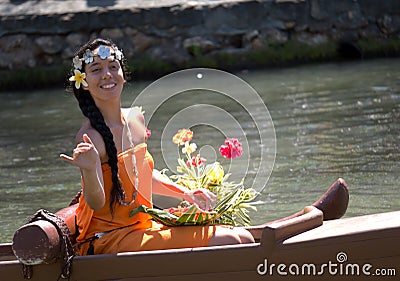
[118, 54]
[88, 56]
[77, 62]
[189, 148]
[78, 78]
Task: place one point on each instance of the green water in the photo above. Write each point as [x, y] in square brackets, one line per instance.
[331, 120]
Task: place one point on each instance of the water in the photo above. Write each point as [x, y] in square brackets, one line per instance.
[331, 120]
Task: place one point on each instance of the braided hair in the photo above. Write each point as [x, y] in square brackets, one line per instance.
[92, 112]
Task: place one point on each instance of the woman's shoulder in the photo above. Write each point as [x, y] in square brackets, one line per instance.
[135, 119]
[93, 134]
[86, 128]
[134, 114]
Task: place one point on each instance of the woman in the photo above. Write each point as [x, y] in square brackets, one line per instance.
[117, 170]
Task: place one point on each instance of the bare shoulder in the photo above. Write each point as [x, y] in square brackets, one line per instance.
[94, 136]
[135, 118]
[134, 114]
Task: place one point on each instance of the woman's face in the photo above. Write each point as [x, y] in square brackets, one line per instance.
[105, 77]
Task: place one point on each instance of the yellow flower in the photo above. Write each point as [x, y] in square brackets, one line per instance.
[182, 136]
[79, 78]
[215, 173]
[189, 148]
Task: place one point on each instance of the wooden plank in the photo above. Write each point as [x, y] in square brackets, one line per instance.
[371, 225]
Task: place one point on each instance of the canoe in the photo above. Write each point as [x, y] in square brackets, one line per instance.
[312, 244]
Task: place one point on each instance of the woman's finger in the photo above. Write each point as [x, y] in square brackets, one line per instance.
[207, 197]
[83, 149]
[201, 205]
[86, 139]
[212, 201]
[67, 158]
[84, 144]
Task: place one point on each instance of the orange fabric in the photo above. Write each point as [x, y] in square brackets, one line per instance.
[138, 232]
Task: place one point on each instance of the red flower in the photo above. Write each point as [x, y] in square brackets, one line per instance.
[195, 161]
[148, 132]
[231, 149]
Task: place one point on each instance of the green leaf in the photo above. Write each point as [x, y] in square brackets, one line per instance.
[189, 217]
[161, 216]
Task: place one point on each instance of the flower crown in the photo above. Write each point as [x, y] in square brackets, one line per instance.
[103, 52]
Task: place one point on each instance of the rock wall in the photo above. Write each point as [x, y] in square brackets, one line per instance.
[176, 34]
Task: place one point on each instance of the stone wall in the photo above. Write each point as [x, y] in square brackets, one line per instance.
[177, 34]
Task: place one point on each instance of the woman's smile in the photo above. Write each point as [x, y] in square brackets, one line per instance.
[108, 86]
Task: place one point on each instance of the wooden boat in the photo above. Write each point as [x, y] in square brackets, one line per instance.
[313, 244]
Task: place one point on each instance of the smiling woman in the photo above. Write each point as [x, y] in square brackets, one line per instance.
[316, 139]
[117, 169]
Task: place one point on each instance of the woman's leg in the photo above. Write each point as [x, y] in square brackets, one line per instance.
[244, 235]
[228, 236]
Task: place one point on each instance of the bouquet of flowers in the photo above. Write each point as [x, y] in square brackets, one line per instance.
[233, 200]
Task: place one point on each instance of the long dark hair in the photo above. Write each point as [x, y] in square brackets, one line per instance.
[92, 112]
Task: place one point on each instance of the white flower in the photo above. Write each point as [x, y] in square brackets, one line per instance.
[189, 148]
[77, 62]
[88, 56]
[118, 54]
[104, 52]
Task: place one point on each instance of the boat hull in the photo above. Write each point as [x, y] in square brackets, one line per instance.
[303, 246]
[341, 249]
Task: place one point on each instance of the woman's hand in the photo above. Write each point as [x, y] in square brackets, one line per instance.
[85, 155]
[204, 198]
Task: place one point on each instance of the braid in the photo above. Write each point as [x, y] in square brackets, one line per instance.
[92, 112]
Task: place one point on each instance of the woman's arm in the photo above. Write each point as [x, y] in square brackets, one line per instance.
[162, 185]
[86, 157]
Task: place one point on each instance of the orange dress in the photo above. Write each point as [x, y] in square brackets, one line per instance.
[121, 233]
